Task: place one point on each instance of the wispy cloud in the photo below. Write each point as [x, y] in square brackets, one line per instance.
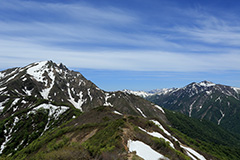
[86, 36]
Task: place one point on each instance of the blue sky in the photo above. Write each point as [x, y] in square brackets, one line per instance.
[133, 44]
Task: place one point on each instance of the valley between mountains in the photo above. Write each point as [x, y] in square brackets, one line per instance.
[50, 112]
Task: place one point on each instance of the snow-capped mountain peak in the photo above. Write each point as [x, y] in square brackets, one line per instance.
[206, 84]
[143, 94]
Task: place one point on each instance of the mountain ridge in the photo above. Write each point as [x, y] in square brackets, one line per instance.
[204, 100]
[58, 95]
[46, 109]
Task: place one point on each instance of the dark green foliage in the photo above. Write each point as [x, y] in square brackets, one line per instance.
[202, 130]
[218, 99]
[205, 135]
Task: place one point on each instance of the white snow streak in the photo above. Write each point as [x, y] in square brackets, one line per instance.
[116, 112]
[38, 70]
[189, 150]
[77, 104]
[9, 79]
[206, 84]
[161, 127]
[2, 104]
[54, 111]
[237, 90]
[157, 135]
[28, 92]
[219, 121]
[219, 98]
[160, 108]
[1, 89]
[193, 152]
[8, 136]
[106, 100]
[45, 92]
[89, 94]
[145, 151]
[1, 75]
[190, 109]
[209, 92]
[141, 113]
[37, 73]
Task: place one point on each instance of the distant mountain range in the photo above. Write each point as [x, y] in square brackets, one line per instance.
[50, 112]
[204, 100]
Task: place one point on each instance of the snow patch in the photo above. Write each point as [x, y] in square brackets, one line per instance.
[219, 98]
[141, 113]
[1, 75]
[89, 94]
[24, 79]
[145, 151]
[79, 103]
[8, 136]
[1, 89]
[193, 152]
[219, 121]
[11, 78]
[38, 70]
[161, 127]
[116, 112]
[138, 93]
[209, 92]
[190, 108]
[28, 92]
[206, 84]
[160, 108]
[54, 111]
[106, 100]
[157, 135]
[45, 92]
[15, 102]
[237, 90]
[2, 104]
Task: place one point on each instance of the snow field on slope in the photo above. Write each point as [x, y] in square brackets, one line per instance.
[45, 92]
[80, 101]
[144, 151]
[54, 111]
[160, 108]
[141, 112]
[116, 112]
[161, 127]
[189, 150]
[106, 100]
[157, 135]
[37, 71]
[8, 136]
[193, 152]
[2, 104]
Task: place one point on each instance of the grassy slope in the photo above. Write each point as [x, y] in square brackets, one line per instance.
[108, 142]
[67, 141]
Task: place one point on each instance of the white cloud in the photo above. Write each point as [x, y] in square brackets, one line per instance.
[84, 36]
[117, 60]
